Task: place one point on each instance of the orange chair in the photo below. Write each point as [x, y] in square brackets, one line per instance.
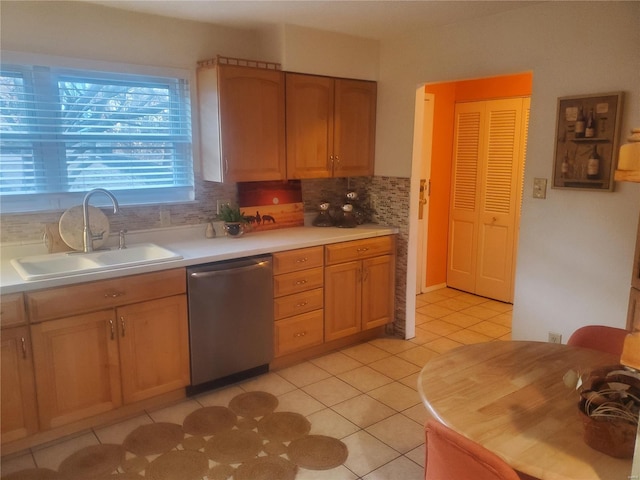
[599, 337]
[451, 456]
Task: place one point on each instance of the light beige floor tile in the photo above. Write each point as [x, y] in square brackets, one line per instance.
[219, 398]
[411, 381]
[331, 391]
[468, 337]
[336, 363]
[435, 310]
[299, 402]
[269, 382]
[418, 455]
[423, 318]
[455, 303]
[330, 423]
[418, 413]
[498, 306]
[472, 299]
[117, 432]
[392, 345]
[367, 453]
[450, 292]
[442, 345]
[52, 456]
[365, 353]
[417, 355]
[480, 311]
[399, 432]
[490, 329]
[396, 395]
[461, 319]
[504, 319]
[423, 335]
[400, 468]
[339, 473]
[303, 374]
[175, 413]
[365, 378]
[441, 327]
[14, 463]
[395, 367]
[363, 410]
[433, 297]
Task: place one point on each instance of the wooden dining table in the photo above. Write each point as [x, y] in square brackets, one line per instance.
[510, 397]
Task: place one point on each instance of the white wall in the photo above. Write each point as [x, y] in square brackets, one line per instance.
[94, 32]
[576, 247]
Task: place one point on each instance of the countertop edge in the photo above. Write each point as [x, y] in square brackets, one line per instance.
[202, 250]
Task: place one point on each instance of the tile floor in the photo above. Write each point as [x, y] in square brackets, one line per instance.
[364, 395]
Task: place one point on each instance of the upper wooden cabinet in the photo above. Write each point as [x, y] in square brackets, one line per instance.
[242, 123]
[331, 126]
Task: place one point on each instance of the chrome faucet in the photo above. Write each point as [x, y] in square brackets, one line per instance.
[87, 236]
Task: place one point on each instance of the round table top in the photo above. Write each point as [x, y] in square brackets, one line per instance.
[510, 398]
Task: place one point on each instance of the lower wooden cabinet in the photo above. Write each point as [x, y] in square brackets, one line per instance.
[19, 411]
[359, 286]
[77, 367]
[154, 347]
[299, 332]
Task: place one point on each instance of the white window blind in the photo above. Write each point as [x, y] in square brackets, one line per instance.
[64, 132]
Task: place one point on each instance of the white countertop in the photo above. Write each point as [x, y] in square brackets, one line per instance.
[190, 242]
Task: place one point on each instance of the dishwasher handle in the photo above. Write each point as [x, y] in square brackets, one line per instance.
[213, 273]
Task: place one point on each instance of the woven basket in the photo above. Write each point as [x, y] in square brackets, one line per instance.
[613, 437]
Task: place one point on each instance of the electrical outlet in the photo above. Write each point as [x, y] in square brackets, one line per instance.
[221, 203]
[555, 337]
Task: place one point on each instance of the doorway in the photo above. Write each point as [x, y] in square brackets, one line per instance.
[432, 264]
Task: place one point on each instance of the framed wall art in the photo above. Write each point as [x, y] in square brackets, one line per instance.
[586, 147]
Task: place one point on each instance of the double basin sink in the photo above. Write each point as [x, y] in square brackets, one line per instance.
[38, 267]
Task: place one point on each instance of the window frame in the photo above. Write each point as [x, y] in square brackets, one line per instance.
[63, 66]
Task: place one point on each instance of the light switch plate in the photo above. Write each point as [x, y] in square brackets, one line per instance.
[539, 188]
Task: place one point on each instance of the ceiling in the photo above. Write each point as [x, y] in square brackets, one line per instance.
[373, 19]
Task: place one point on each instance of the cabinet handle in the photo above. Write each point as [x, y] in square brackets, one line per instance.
[362, 249]
[299, 334]
[113, 294]
[226, 165]
[122, 325]
[302, 260]
[337, 162]
[24, 347]
[301, 282]
[112, 332]
[302, 304]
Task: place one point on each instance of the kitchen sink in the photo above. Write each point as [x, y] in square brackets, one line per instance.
[38, 267]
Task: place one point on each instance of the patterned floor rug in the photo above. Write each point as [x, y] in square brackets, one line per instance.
[248, 440]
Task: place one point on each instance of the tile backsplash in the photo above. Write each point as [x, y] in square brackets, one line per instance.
[387, 196]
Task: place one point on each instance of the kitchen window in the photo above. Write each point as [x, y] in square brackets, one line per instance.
[66, 131]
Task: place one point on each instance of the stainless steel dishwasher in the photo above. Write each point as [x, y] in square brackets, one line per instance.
[230, 320]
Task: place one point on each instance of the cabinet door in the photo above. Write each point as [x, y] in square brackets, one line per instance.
[309, 126]
[77, 368]
[154, 347]
[378, 291]
[19, 413]
[354, 128]
[252, 124]
[343, 290]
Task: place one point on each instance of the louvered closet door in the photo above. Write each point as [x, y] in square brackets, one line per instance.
[489, 151]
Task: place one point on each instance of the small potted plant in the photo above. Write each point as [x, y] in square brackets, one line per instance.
[234, 220]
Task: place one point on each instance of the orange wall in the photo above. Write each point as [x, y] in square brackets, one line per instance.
[446, 95]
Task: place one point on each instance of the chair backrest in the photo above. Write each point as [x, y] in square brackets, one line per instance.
[451, 456]
[599, 337]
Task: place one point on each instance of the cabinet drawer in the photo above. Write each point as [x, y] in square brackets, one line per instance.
[297, 281]
[295, 304]
[87, 297]
[12, 310]
[357, 249]
[299, 332]
[295, 260]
